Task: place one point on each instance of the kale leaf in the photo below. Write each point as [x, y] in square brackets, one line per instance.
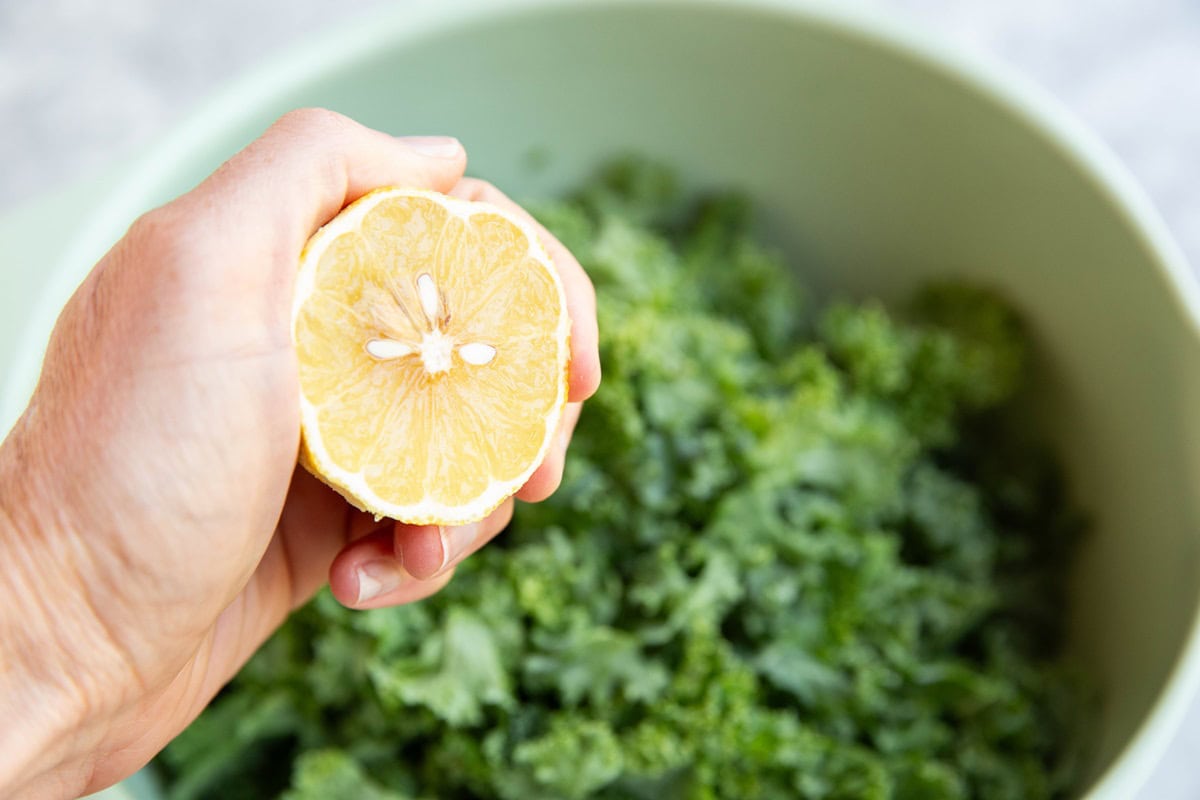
[796, 554]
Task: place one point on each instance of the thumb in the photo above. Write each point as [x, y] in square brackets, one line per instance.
[269, 198]
[244, 227]
[312, 162]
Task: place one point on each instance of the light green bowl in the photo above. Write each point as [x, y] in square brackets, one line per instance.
[879, 158]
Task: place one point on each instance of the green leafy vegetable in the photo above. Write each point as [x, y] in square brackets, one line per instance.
[796, 553]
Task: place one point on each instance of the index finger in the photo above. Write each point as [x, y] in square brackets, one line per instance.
[584, 376]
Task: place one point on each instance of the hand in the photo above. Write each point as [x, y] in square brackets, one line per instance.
[154, 529]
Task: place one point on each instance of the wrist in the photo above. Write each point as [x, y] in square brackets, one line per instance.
[27, 685]
[52, 657]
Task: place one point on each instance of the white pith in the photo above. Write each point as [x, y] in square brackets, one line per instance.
[436, 348]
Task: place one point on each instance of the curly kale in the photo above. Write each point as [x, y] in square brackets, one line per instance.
[796, 554]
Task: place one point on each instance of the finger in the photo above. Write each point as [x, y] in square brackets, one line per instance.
[429, 550]
[584, 377]
[312, 528]
[362, 523]
[267, 200]
[316, 523]
[546, 478]
[367, 575]
[311, 162]
[386, 566]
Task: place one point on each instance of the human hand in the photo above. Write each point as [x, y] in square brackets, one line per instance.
[154, 529]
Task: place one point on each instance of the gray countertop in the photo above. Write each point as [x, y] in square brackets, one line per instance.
[86, 82]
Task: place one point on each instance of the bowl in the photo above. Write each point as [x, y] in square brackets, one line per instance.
[878, 157]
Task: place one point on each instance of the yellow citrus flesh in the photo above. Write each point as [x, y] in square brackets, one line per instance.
[432, 338]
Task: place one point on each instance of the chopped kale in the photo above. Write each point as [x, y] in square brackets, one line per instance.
[796, 554]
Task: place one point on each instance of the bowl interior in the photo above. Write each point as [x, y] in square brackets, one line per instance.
[874, 167]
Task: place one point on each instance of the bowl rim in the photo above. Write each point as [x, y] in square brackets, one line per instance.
[409, 20]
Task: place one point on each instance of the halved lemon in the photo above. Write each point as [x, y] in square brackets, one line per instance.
[433, 342]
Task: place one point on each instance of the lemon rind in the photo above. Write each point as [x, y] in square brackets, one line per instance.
[353, 485]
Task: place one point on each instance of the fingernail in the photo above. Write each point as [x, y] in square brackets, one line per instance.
[457, 540]
[376, 578]
[433, 146]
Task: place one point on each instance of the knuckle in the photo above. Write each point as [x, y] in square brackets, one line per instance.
[501, 517]
[311, 117]
[581, 292]
[159, 232]
[469, 186]
[160, 259]
[488, 191]
[313, 121]
[588, 288]
[485, 191]
[553, 467]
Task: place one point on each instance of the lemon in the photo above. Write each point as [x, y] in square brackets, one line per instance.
[432, 336]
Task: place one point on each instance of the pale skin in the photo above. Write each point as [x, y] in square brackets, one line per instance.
[154, 528]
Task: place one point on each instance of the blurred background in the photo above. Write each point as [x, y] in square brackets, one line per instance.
[86, 83]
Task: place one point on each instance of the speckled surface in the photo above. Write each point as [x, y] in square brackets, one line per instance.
[86, 82]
